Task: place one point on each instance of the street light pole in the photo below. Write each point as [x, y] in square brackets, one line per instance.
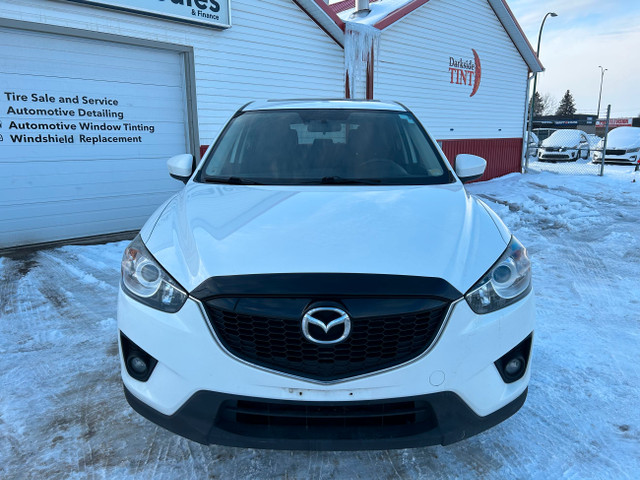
[602, 70]
[535, 83]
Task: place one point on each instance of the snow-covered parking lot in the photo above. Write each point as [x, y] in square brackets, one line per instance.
[63, 413]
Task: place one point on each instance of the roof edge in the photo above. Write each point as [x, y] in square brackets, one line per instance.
[398, 14]
[324, 17]
[518, 37]
[500, 8]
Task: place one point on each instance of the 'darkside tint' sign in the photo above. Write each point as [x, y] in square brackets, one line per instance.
[214, 13]
[466, 72]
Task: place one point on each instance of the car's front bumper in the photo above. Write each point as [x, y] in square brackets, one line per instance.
[631, 158]
[217, 418]
[566, 155]
[193, 365]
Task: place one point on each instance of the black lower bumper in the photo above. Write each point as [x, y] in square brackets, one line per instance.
[217, 418]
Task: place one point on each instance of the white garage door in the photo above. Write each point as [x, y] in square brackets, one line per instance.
[86, 129]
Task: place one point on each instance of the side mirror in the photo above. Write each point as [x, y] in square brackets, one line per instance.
[181, 167]
[470, 167]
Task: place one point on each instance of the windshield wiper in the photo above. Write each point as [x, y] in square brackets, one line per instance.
[232, 180]
[335, 180]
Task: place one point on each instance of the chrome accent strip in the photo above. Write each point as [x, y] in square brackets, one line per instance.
[331, 382]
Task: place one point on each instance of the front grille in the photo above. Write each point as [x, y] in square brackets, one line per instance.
[326, 421]
[555, 156]
[277, 342]
[615, 152]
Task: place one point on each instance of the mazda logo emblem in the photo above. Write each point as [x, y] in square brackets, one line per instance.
[326, 319]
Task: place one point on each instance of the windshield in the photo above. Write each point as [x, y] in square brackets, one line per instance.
[331, 146]
[563, 138]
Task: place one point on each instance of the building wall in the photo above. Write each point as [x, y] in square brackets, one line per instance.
[414, 68]
[502, 154]
[272, 50]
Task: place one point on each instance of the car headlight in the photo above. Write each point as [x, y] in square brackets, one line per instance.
[145, 280]
[505, 283]
[633, 150]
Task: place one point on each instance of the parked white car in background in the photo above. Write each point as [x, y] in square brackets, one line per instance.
[324, 281]
[564, 145]
[532, 145]
[623, 146]
[543, 133]
[594, 140]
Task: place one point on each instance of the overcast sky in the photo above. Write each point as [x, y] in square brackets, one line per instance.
[585, 34]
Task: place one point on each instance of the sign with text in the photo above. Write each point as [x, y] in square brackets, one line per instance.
[466, 72]
[616, 122]
[214, 13]
[40, 117]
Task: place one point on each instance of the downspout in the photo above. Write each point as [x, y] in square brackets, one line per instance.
[524, 159]
[360, 53]
[362, 10]
[370, 73]
[347, 92]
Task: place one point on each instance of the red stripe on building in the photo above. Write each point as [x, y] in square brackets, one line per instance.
[503, 155]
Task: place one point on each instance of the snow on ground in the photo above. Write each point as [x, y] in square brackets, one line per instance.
[63, 413]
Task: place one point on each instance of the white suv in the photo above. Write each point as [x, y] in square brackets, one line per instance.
[324, 281]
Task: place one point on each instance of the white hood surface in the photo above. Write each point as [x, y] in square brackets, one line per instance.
[563, 138]
[433, 231]
[623, 138]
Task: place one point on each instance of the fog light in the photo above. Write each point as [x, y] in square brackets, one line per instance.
[513, 365]
[137, 364]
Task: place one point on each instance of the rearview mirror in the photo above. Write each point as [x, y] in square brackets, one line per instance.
[181, 167]
[470, 167]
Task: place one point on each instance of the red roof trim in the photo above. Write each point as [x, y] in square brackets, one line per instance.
[398, 14]
[330, 13]
[315, 20]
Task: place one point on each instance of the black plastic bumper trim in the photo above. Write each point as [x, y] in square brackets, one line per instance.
[201, 419]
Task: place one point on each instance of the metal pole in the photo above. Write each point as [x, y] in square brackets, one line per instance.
[600, 94]
[604, 146]
[535, 83]
[525, 130]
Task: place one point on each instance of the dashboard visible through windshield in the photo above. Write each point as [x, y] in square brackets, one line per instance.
[324, 146]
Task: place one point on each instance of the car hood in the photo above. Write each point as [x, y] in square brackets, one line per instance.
[433, 231]
[554, 143]
[621, 144]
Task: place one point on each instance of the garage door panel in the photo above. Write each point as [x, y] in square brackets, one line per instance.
[87, 128]
[87, 149]
[98, 166]
[74, 212]
[39, 190]
[91, 59]
[65, 95]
